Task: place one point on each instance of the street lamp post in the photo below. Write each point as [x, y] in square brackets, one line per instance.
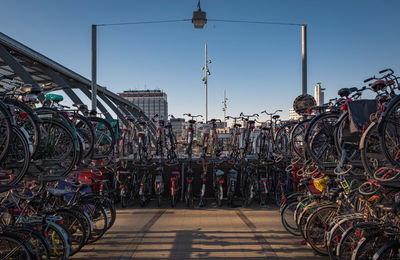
[94, 68]
[207, 73]
[304, 57]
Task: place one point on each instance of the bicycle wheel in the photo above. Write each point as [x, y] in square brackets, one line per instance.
[389, 130]
[389, 251]
[11, 247]
[27, 118]
[287, 218]
[105, 137]
[75, 227]
[316, 227]
[5, 129]
[319, 139]
[349, 144]
[372, 156]
[297, 137]
[369, 244]
[85, 218]
[282, 141]
[58, 152]
[189, 196]
[350, 238]
[335, 233]
[16, 163]
[87, 132]
[99, 218]
[58, 241]
[38, 243]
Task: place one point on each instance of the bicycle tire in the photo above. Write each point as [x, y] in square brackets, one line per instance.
[388, 251]
[85, 127]
[350, 238]
[312, 219]
[327, 137]
[38, 243]
[51, 157]
[389, 121]
[5, 129]
[58, 240]
[16, 164]
[292, 229]
[11, 245]
[372, 155]
[30, 121]
[297, 142]
[75, 228]
[105, 138]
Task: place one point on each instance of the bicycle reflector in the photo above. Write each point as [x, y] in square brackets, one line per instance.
[23, 115]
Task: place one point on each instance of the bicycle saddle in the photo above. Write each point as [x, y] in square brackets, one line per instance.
[142, 123]
[344, 92]
[378, 85]
[237, 125]
[276, 116]
[353, 89]
[80, 106]
[54, 97]
[191, 121]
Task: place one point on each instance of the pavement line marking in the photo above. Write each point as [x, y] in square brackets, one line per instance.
[262, 241]
[137, 240]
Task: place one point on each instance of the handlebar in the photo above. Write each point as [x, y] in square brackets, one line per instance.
[248, 116]
[214, 120]
[271, 114]
[386, 70]
[190, 115]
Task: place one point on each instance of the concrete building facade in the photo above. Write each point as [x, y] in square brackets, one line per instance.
[152, 102]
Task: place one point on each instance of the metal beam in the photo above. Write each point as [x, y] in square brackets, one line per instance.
[99, 104]
[16, 67]
[63, 85]
[115, 109]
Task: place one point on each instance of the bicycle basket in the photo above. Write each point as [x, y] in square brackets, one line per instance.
[321, 184]
[359, 112]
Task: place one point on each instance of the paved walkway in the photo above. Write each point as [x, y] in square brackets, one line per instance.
[209, 233]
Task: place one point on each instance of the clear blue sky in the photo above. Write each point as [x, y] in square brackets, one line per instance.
[258, 65]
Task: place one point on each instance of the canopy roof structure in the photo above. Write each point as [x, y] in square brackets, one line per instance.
[30, 67]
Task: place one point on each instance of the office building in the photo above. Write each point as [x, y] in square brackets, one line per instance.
[293, 115]
[319, 94]
[152, 102]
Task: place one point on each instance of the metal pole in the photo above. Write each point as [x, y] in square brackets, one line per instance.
[206, 71]
[304, 57]
[94, 67]
[224, 107]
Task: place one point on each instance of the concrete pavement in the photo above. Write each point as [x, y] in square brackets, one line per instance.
[207, 233]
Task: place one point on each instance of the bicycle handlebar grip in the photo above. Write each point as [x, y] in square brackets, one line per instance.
[369, 79]
[385, 70]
